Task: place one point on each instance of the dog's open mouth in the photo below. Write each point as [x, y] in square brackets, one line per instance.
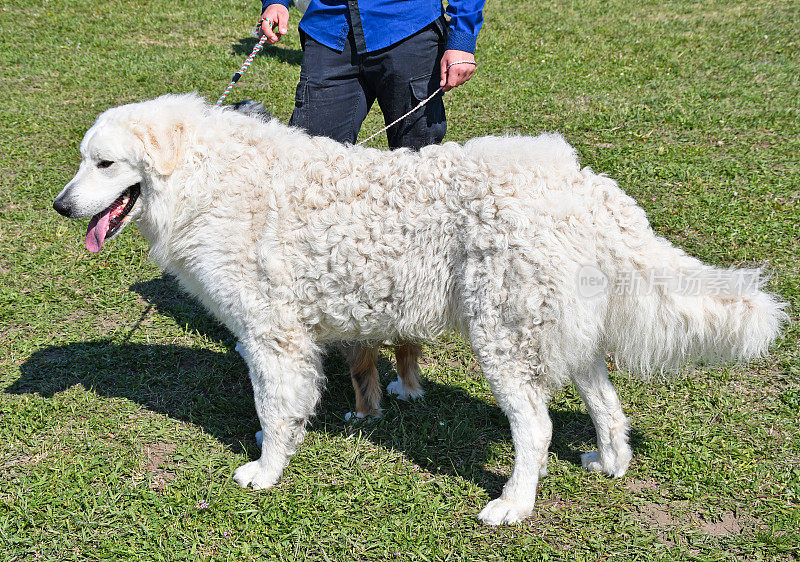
[108, 222]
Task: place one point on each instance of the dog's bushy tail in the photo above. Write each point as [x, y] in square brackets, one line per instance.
[667, 308]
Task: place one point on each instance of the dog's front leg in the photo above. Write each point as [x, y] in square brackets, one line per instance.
[287, 379]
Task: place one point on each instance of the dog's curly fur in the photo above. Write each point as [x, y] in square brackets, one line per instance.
[294, 241]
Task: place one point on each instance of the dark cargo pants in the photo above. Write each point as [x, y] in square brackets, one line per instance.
[336, 90]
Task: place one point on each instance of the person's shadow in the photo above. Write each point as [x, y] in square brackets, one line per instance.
[449, 431]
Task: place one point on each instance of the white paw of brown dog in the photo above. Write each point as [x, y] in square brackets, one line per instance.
[359, 417]
[397, 388]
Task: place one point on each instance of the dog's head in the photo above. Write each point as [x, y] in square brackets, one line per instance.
[128, 158]
[125, 157]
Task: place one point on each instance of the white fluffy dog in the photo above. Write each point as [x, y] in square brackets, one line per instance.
[294, 242]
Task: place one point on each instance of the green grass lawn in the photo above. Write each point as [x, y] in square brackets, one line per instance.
[124, 409]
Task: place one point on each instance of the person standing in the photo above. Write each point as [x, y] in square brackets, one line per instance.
[395, 52]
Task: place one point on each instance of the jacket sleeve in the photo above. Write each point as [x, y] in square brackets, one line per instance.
[466, 18]
[265, 3]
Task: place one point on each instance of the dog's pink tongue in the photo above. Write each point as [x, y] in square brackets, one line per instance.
[98, 227]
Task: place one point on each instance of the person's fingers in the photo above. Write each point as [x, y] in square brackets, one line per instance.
[458, 75]
[469, 70]
[282, 18]
[266, 29]
[454, 76]
[276, 17]
[443, 72]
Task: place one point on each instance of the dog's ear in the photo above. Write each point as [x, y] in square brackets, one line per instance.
[162, 145]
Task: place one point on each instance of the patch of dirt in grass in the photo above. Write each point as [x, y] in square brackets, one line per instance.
[728, 524]
[157, 456]
[672, 515]
[500, 470]
[82, 317]
[659, 520]
[22, 461]
[657, 516]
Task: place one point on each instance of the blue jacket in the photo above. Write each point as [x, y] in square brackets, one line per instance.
[379, 23]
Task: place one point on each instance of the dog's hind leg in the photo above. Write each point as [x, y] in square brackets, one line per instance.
[408, 385]
[613, 453]
[525, 404]
[364, 376]
[287, 380]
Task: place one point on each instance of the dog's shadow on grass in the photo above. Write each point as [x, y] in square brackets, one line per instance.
[290, 56]
[166, 296]
[448, 432]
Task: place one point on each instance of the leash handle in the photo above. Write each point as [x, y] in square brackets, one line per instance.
[396, 121]
[247, 62]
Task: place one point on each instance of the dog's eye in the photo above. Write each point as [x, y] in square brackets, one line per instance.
[104, 163]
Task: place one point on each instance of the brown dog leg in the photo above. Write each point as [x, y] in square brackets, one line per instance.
[364, 376]
[408, 385]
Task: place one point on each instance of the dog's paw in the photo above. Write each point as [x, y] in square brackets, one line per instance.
[359, 417]
[503, 510]
[396, 388]
[591, 462]
[253, 474]
[353, 416]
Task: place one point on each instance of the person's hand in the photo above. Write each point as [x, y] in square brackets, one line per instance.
[461, 67]
[276, 22]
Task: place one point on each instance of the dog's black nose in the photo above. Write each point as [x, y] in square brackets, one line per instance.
[62, 208]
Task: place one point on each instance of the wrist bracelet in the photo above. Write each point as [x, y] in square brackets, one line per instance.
[472, 62]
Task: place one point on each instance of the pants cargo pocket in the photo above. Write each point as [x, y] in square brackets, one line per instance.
[429, 124]
[421, 88]
[300, 114]
[301, 93]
